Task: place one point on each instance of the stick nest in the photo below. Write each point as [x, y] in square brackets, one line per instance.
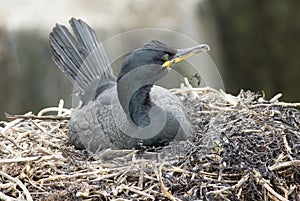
[245, 148]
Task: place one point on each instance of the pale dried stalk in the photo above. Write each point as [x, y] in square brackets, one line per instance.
[294, 163]
[17, 181]
[162, 186]
[34, 158]
[243, 180]
[266, 185]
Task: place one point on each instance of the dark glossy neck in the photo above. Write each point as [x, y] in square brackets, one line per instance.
[140, 105]
[135, 100]
[133, 88]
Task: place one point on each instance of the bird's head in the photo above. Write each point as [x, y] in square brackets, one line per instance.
[151, 62]
[141, 69]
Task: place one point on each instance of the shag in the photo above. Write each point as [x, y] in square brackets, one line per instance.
[122, 112]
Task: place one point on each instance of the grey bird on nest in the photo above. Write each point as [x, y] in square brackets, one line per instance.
[122, 112]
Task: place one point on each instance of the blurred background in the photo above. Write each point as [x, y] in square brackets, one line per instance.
[255, 44]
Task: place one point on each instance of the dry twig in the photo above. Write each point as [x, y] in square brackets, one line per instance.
[245, 148]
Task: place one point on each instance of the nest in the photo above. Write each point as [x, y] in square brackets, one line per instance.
[245, 148]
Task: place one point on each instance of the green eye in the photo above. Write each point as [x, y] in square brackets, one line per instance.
[166, 57]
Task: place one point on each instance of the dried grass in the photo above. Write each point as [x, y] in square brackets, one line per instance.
[246, 148]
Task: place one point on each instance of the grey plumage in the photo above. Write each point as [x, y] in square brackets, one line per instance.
[105, 118]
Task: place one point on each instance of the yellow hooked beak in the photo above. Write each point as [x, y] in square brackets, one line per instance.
[183, 54]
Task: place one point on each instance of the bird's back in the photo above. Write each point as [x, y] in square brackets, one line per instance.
[103, 124]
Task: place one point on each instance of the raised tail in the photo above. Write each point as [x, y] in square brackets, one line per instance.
[82, 59]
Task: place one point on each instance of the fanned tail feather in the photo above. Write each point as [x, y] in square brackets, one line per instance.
[82, 58]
